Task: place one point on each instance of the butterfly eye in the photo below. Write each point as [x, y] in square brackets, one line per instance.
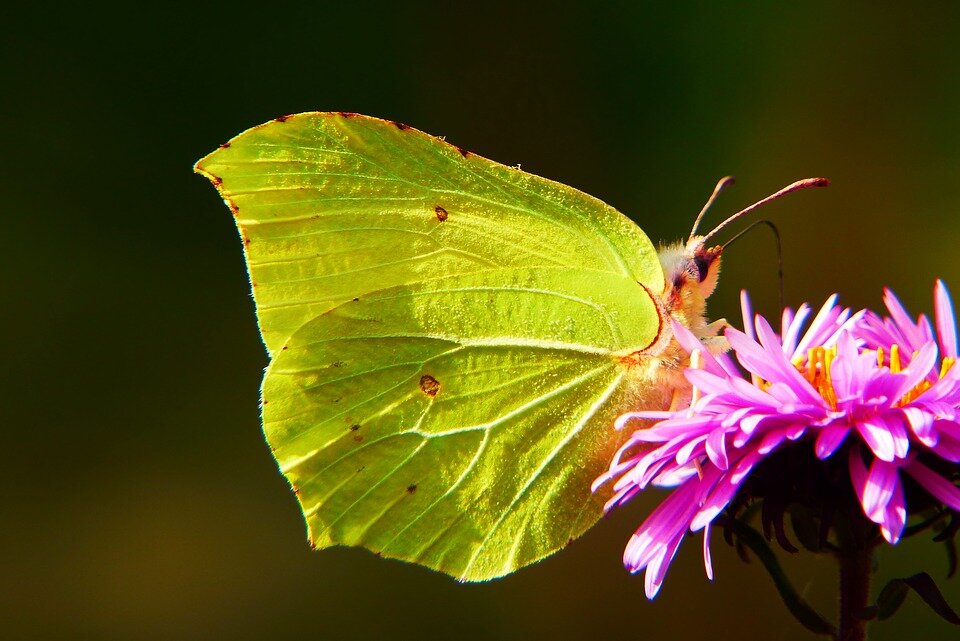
[704, 259]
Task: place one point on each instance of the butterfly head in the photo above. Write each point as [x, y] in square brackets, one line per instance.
[691, 269]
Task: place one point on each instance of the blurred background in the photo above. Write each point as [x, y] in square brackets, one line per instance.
[139, 500]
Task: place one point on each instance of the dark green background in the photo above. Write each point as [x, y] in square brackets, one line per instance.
[138, 498]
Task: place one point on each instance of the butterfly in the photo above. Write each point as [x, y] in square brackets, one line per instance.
[450, 339]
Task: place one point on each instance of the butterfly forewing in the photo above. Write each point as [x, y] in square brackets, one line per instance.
[333, 206]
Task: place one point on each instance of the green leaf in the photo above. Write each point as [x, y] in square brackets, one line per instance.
[890, 599]
[802, 611]
[807, 527]
[895, 592]
[451, 338]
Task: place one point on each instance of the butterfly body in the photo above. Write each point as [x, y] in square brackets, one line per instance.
[451, 339]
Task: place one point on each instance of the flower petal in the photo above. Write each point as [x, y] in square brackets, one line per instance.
[878, 438]
[791, 327]
[707, 558]
[689, 342]
[824, 319]
[829, 439]
[901, 318]
[724, 490]
[858, 473]
[935, 484]
[895, 516]
[716, 447]
[946, 323]
[747, 313]
[879, 488]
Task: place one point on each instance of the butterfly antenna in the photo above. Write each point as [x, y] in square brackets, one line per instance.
[724, 182]
[776, 235]
[800, 184]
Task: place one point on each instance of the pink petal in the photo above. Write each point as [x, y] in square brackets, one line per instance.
[689, 342]
[706, 382]
[880, 483]
[877, 438]
[747, 312]
[858, 473]
[707, 558]
[658, 566]
[821, 320]
[830, 438]
[772, 441]
[792, 326]
[895, 516]
[693, 447]
[621, 497]
[898, 431]
[623, 419]
[946, 323]
[724, 490]
[936, 485]
[770, 363]
[918, 370]
[716, 447]
[948, 448]
[898, 313]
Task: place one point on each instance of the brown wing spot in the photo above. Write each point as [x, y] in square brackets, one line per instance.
[216, 180]
[246, 240]
[411, 488]
[399, 125]
[283, 118]
[233, 208]
[441, 213]
[429, 385]
[348, 114]
[225, 145]
[463, 152]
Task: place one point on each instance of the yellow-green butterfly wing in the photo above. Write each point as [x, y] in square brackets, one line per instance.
[449, 338]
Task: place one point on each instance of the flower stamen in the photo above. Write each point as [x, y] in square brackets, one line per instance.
[817, 372]
[946, 365]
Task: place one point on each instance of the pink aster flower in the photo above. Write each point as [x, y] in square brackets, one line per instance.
[857, 397]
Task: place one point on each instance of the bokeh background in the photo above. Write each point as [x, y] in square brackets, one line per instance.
[138, 498]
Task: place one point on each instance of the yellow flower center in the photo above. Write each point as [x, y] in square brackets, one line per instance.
[816, 369]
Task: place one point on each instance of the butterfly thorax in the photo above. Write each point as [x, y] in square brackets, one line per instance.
[690, 272]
